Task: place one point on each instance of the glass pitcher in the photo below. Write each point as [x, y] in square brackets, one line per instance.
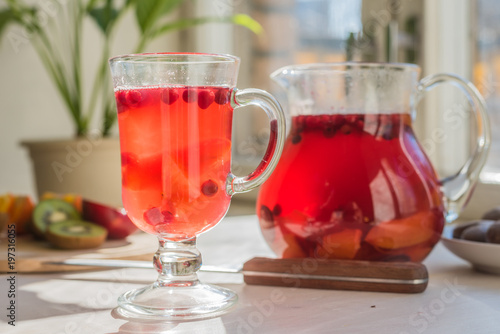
[353, 182]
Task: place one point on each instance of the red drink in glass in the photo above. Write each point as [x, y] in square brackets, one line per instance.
[175, 115]
[176, 156]
[359, 187]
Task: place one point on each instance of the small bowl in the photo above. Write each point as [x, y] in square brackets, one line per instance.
[483, 256]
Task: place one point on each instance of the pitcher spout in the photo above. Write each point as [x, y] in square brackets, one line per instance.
[282, 76]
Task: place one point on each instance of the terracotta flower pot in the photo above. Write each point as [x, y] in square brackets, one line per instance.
[88, 166]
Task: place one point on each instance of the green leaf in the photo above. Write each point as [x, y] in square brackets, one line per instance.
[148, 12]
[91, 5]
[239, 19]
[6, 17]
[104, 16]
[247, 22]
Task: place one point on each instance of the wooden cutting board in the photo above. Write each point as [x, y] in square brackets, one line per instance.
[33, 255]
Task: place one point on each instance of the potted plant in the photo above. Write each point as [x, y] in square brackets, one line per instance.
[89, 163]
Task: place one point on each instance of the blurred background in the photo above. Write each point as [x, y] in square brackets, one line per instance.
[458, 36]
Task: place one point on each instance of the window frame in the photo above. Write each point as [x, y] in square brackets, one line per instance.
[449, 46]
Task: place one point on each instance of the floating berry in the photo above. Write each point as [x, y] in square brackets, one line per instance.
[338, 120]
[222, 96]
[128, 98]
[155, 216]
[120, 107]
[277, 210]
[296, 139]
[356, 122]
[169, 96]
[189, 95]
[346, 129]
[326, 119]
[327, 122]
[121, 97]
[205, 98]
[313, 122]
[266, 213]
[266, 217]
[329, 131]
[134, 98]
[300, 123]
[209, 188]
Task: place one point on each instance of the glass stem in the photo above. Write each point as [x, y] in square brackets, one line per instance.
[177, 262]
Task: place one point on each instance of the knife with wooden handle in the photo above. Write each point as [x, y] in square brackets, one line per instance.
[399, 277]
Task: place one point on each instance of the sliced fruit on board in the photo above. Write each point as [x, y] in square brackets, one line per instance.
[16, 210]
[75, 234]
[6, 202]
[73, 199]
[404, 232]
[4, 221]
[114, 220]
[340, 245]
[21, 213]
[52, 211]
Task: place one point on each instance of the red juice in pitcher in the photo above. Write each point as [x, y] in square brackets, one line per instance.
[354, 186]
[176, 155]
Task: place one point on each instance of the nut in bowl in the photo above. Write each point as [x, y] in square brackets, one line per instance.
[482, 254]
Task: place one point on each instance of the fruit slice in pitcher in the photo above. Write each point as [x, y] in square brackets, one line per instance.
[340, 245]
[293, 248]
[405, 232]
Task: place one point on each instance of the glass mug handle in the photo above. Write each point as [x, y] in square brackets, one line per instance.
[458, 188]
[264, 100]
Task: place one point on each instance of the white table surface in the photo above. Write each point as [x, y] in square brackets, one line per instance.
[457, 300]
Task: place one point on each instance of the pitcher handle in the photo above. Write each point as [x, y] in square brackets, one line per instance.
[264, 100]
[458, 188]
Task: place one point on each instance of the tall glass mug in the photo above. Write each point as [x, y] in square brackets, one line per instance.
[175, 115]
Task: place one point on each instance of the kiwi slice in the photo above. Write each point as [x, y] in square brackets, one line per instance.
[51, 211]
[75, 234]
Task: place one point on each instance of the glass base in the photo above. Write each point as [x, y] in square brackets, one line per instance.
[176, 303]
